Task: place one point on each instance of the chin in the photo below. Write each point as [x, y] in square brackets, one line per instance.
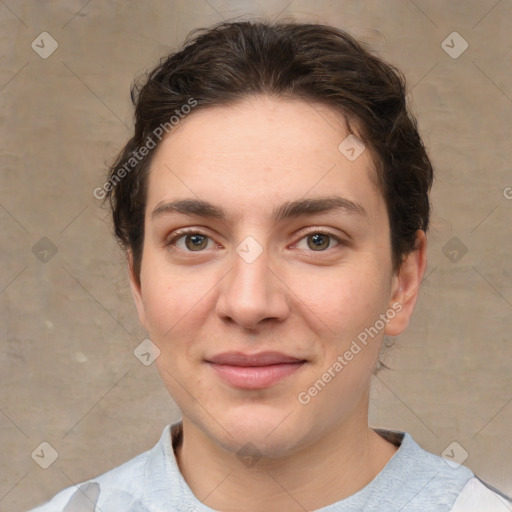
[269, 447]
[264, 431]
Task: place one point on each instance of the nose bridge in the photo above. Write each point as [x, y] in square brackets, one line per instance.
[251, 293]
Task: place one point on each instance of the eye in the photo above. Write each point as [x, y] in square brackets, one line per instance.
[318, 241]
[194, 241]
[190, 241]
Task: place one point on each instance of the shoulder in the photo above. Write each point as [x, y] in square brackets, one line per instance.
[478, 496]
[416, 479]
[122, 485]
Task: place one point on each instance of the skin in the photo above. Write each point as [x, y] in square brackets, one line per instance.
[250, 158]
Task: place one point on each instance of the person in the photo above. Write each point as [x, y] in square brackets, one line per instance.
[273, 203]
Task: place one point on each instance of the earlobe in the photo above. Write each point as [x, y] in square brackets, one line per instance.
[136, 288]
[406, 285]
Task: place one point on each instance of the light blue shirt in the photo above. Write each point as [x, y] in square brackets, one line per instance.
[412, 480]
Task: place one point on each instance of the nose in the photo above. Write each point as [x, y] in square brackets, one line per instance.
[252, 294]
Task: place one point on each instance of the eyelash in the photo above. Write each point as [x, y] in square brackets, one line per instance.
[313, 231]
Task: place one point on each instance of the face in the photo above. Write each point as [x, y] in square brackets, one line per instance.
[265, 262]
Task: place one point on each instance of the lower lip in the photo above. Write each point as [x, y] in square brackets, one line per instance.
[255, 377]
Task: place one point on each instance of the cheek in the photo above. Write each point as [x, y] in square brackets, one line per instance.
[178, 304]
[169, 298]
[345, 300]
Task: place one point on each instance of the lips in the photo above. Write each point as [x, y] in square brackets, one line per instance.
[254, 371]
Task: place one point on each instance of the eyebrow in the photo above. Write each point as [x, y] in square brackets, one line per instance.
[288, 210]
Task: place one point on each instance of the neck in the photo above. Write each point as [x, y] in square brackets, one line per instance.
[332, 469]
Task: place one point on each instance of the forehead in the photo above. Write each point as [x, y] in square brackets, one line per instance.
[261, 151]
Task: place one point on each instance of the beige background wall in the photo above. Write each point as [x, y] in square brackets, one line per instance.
[68, 327]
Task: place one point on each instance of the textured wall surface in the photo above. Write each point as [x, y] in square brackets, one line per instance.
[68, 326]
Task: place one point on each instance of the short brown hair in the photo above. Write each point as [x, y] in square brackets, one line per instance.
[319, 63]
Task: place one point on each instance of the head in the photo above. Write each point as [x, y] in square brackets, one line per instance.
[273, 197]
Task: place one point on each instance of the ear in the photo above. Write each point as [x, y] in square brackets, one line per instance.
[405, 286]
[136, 288]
